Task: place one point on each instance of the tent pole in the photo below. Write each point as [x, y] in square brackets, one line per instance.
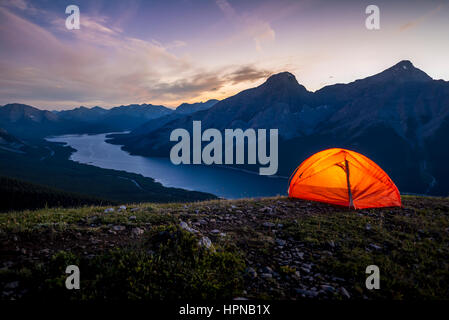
[351, 202]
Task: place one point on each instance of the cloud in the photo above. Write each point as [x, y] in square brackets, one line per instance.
[19, 4]
[248, 25]
[100, 65]
[207, 82]
[247, 73]
[419, 20]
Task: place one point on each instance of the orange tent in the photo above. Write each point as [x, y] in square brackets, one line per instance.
[343, 177]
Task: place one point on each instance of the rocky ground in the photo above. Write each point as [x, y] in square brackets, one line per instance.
[271, 248]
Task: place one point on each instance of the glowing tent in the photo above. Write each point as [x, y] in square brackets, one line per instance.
[343, 177]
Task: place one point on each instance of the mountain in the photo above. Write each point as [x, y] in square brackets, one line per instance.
[83, 114]
[181, 111]
[118, 118]
[28, 122]
[188, 108]
[399, 118]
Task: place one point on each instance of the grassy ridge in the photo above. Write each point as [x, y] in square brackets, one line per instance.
[271, 248]
[48, 164]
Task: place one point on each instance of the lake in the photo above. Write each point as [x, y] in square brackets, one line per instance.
[221, 181]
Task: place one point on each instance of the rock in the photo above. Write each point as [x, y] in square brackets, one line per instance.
[280, 242]
[222, 234]
[268, 224]
[306, 293]
[12, 285]
[331, 243]
[215, 231]
[137, 231]
[345, 293]
[375, 246]
[118, 228]
[121, 208]
[266, 275]
[306, 270]
[368, 227]
[337, 279]
[251, 272]
[308, 266]
[135, 209]
[205, 242]
[132, 218]
[267, 270]
[240, 298]
[109, 210]
[328, 288]
[186, 227]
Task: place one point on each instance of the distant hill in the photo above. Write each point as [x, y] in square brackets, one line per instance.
[10, 143]
[20, 195]
[181, 111]
[28, 122]
[188, 108]
[399, 118]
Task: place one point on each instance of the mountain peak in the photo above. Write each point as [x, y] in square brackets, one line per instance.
[283, 77]
[283, 81]
[404, 64]
[404, 71]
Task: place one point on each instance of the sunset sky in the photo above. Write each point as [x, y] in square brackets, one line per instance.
[168, 52]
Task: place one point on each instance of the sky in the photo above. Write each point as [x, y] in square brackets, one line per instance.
[169, 52]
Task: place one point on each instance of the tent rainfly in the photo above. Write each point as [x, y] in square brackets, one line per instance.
[343, 177]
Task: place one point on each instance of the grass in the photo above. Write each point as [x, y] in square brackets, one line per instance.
[410, 245]
[410, 249]
[175, 268]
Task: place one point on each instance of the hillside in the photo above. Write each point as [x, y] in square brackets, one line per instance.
[19, 195]
[47, 164]
[272, 248]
